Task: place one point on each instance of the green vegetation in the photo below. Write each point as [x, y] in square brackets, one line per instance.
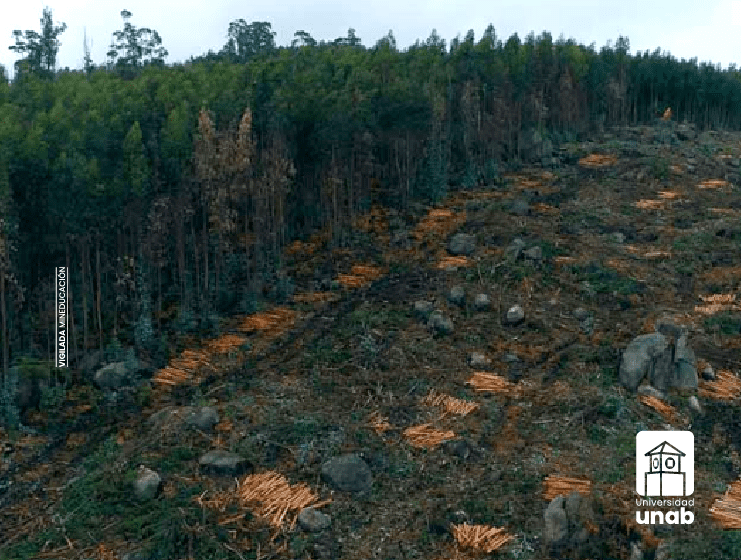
[660, 168]
[726, 323]
[725, 545]
[605, 280]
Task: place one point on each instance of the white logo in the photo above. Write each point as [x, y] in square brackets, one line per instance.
[665, 463]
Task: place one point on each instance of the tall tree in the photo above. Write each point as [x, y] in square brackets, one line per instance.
[136, 47]
[351, 40]
[40, 50]
[302, 39]
[246, 41]
[136, 169]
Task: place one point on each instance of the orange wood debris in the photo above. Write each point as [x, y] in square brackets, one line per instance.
[725, 387]
[597, 160]
[427, 436]
[450, 405]
[274, 321]
[448, 262]
[666, 410]
[276, 496]
[713, 184]
[562, 486]
[482, 381]
[378, 422]
[480, 537]
[727, 510]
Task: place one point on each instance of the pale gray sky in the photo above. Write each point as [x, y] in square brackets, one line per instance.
[708, 30]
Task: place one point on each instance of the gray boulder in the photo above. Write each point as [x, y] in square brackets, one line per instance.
[649, 391]
[462, 244]
[533, 254]
[224, 463]
[694, 404]
[579, 512]
[515, 248]
[113, 376]
[567, 522]
[147, 484]
[686, 132]
[556, 529]
[580, 313]
[638, 358]
[348, 473]
[515, 314]
[457, 295]
[482, 302]
[203, 417]
[439, 323]
[423, 309]
[313, 520]
[90, 361]
[520, 207]
[685, 379]
[663, 357]
[478, 360]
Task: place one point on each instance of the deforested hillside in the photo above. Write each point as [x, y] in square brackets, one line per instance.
[331, 301]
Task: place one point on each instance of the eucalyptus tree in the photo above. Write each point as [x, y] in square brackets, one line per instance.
[134, 47]
[40, 49]
[246, 41]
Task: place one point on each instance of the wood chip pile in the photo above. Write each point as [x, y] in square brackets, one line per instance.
[480, 537]
[595, 161]
[562, 486]
[727, 510]
[725, 387]
[666, 410]
[359, 276]
[450, 405]
[185, 369]
[493, 383]
[427, 436]
[269, 495]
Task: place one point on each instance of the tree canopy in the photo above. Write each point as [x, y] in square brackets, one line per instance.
[40, 49]
[134, 47]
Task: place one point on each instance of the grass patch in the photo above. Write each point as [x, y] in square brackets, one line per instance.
[726, 322]
[606, 281]
[716, 544]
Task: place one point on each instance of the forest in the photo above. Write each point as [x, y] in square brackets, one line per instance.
[169, 190]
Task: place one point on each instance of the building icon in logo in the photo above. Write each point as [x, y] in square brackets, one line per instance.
[665, 463]
[665, 476]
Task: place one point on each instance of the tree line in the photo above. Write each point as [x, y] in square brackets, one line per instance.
[177, 185]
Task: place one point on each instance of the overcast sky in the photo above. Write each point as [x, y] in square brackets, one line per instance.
[708, 30]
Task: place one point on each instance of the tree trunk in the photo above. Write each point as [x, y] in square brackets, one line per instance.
[99, 290]
[159, 301]
[204, 302]
[71, 348]
[197, 283]
[4, 321]
[408, 175]
[84, 297]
